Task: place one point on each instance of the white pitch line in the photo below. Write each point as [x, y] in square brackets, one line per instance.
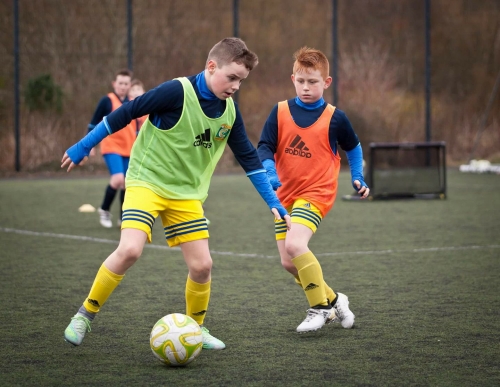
[367, 252]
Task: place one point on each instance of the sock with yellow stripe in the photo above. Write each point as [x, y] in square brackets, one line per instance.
[311, 278]
[330, 294]
[105, 282]
[197, 297]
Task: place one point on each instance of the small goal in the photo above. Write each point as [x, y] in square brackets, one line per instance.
[407, 170]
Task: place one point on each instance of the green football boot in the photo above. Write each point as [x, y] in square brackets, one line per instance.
[75, 332]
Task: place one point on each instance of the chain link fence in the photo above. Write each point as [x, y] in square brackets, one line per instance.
[381, 64]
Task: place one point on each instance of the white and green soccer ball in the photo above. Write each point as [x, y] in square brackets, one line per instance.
[176, 339]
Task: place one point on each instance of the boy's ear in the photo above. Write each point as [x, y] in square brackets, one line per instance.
[211, 66]
[292, 77]
[328, 82]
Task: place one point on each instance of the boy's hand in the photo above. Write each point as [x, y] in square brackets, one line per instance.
[286, 218]
[362, 188]
[272, 175]
[66, 161]
[92, 152]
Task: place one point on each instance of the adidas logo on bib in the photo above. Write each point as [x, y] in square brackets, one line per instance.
[298, 148]
[203, 139]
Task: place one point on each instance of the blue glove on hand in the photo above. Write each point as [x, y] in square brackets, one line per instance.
[261, 183]
[271, 173]
[83, 147]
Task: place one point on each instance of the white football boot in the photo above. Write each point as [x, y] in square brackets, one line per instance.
[209, 341]
[105, 218]
[315, 319]
[344, 314]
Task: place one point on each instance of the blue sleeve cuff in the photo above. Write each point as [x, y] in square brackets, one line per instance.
[256, 171]
[83, 147]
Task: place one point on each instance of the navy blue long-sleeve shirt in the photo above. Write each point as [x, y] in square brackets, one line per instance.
[340, 132]
[164, 105]
[104, 107]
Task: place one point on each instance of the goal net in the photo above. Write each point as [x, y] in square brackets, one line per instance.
[415, 169]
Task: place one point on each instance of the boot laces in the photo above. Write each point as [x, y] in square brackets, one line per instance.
[81, 324]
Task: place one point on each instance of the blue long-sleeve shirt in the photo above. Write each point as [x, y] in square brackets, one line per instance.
[164, 105]
[340, 132]
[104, 107]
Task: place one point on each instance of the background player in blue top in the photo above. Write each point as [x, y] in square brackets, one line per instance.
[115, 149]
[190, 120]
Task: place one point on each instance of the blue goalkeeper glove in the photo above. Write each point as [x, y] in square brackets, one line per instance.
[83, 147]
[271, 173]
[261, 183]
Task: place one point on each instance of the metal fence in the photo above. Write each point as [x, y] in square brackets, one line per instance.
[380, 55]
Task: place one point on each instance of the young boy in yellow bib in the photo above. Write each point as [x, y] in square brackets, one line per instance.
[299, 149]
[190, 121]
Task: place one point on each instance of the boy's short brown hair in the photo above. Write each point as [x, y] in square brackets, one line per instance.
[309, 58]
[230, 50]
[125, 73]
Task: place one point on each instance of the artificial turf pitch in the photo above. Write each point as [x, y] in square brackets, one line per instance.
[422, 278]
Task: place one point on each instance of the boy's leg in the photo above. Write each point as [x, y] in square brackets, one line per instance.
[308, 268]
[298, 260]
[286, 262]
[116, 170]
[199, 262]
[185, 225]
[141, 208]
[307, 215]
[107, 279]
[309, 265]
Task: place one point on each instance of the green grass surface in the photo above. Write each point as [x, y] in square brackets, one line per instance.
[422, 277]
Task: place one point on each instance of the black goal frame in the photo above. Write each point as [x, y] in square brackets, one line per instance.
[439, 193]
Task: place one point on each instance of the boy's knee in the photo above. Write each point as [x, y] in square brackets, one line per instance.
[130, 252]
[294, 248]
[201, 268]
[117, 181]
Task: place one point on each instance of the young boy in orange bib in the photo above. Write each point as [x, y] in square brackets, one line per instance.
[299, 149]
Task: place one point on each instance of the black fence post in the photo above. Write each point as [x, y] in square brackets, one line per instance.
[16, 86]
[129, 35]
[236, 30]
[335, 53]
[428, 135]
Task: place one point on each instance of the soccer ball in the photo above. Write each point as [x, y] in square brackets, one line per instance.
[176, 339]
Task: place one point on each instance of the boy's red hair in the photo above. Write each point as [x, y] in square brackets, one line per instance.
[307, 58]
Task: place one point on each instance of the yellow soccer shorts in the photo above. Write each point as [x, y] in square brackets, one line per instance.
[302, 212]
[183, 220]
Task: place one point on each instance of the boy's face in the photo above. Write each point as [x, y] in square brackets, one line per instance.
[135, 91]
[226, 80]
[121, 85]
[310, 85]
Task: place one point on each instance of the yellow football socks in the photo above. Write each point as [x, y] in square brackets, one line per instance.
[311, 278]
[197, 297]
[330, 294]
[104, 284]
